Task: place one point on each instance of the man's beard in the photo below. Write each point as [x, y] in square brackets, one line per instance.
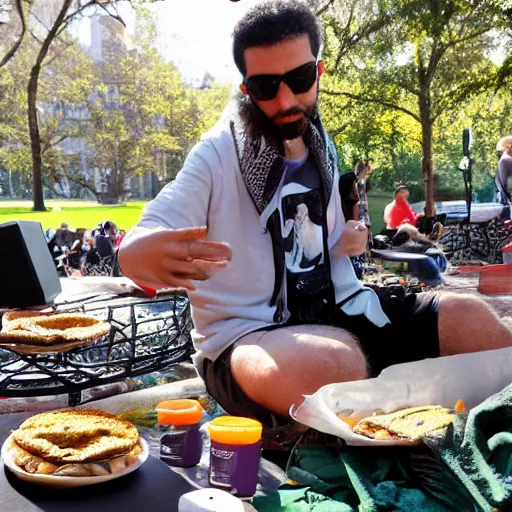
[289, 131]
[260, 122]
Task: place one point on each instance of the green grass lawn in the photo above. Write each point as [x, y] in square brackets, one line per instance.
[78, 214]
[377, 201]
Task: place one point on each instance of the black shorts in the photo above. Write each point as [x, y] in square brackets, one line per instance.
[412, 335]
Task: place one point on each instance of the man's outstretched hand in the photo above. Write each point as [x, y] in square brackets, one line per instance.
[171, 257]
[353, 240]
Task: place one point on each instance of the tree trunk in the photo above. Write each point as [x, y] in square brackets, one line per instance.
[33, 125]
[428, 169]
[35, 141]
[426, 146]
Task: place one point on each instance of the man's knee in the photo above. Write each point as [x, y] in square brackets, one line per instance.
[317, 354]
[343, 361]
[251, 362]
[468, 324]
[455, 306]
[277, 369]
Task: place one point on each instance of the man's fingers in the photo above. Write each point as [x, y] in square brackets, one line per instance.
[212, 251]
[198, 250]
[179, 282]
[190, 269]
[167, 282]
[173, 258]
[188, 234]
[164, 278]
[189, 243]
[198, 275]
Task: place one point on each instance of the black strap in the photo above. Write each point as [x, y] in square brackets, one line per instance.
[116, 269]
[350, 297]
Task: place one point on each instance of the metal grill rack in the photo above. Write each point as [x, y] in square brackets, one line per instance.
[145, 336]
[482, 241]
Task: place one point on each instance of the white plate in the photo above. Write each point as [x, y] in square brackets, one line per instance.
[70, 481]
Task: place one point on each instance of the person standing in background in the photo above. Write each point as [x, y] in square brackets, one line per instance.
[364, 212]
[504, 149]
[349, 192]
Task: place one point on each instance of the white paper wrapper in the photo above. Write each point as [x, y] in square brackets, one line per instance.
[441, 381]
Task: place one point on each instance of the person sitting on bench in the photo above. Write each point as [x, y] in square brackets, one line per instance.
[399, 211]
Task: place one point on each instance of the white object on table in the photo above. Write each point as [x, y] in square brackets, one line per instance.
[209, 500]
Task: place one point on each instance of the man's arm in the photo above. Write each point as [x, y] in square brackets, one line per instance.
[413, 215]
[387, 215]
[168, 247]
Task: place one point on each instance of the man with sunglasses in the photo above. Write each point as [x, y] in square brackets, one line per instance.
[277, 308]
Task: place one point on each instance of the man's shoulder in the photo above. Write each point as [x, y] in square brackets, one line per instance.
[220, 136]
[215, 150]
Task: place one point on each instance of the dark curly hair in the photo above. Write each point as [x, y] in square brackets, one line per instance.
[272, 22]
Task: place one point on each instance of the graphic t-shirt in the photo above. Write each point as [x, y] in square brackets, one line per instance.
[308, 280]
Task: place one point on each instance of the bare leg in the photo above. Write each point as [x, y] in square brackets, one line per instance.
[275, 368]
[468, 324]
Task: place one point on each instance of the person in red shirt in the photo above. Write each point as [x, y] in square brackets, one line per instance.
[399, 211]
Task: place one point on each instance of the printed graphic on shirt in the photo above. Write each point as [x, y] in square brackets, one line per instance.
[303, 218]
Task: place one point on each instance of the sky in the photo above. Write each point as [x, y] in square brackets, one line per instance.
[194, 34]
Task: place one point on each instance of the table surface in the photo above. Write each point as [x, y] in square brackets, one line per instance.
[153, 487]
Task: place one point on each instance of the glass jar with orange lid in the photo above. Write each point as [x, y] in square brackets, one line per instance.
[181, 443]
[235, 454]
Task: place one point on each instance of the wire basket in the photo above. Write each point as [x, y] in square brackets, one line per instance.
[145, 336]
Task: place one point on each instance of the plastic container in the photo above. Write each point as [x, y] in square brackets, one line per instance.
[235, 454]
[507, 254]
[495, 280]
[181, 443]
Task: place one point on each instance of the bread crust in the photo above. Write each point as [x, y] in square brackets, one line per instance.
[76, 436]
[412, 423]
[48, 329]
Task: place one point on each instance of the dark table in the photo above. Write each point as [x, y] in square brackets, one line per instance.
[152, 488]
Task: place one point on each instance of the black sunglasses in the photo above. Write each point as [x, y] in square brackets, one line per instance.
[299, 80]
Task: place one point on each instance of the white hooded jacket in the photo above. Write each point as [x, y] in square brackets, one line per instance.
[210, 191]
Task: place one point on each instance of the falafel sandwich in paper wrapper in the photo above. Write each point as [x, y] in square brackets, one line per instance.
[443, 381]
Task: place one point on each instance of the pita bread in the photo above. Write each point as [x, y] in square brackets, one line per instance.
[76, 435]
[411, 423]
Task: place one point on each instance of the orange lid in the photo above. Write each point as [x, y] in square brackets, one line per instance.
[179, 412]
[234, 430]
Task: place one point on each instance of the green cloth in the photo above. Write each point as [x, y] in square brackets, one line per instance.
[478, 451]
[465, 467]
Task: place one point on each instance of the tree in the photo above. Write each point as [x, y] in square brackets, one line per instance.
[128, 115]
[14, 31]
[143, 118]
[64, 83]
[425, 59]
[54, 41]
[14, 139]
